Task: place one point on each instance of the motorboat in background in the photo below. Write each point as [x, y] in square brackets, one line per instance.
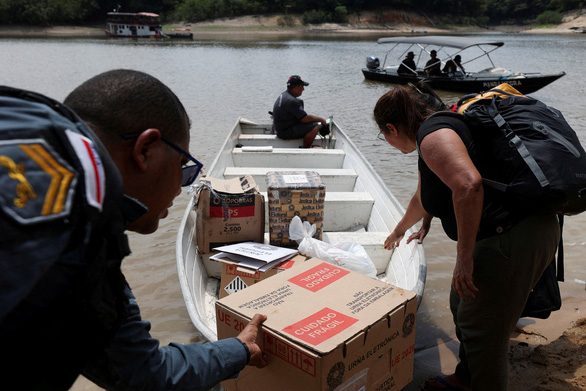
[447, 49]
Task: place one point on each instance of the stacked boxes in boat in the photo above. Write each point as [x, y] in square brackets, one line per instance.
[290, 194]
[228, 211]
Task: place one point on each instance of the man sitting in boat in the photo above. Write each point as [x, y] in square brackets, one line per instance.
[408, 66]
[433, 66]
[452, 66]
[290, 120]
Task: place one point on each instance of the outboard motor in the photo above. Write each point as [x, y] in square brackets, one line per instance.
[372, 63]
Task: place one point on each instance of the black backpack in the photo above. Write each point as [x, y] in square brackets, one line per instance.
[533, 155]
[536, 156]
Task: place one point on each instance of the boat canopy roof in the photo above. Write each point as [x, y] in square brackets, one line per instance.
[447, 41]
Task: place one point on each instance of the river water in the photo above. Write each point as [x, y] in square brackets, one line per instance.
[222, 78]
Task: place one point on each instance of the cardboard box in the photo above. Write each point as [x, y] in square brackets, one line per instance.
[328, 328]
[294, 193]
[228, 211]
[236, 278]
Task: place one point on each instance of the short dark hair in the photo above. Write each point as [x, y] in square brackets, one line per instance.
[124, 101]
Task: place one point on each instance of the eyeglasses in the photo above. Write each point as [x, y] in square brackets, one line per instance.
[190, 173]
[381, 136]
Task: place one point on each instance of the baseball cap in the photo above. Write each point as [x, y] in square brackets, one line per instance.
[296, 80]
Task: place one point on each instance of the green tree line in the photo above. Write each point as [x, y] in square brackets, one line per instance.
[478, 12]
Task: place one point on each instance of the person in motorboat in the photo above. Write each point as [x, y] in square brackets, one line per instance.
[452, 66]
[75, 181]
[499, 258]
[433, 66]
[291, 121]
[408, 66]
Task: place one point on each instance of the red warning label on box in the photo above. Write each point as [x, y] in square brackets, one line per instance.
[319, 277]
[230, 206]
[320, 326]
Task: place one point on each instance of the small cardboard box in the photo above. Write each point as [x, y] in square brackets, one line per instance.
[236, 278]
[328, 328]
[228, 211]
[294, 193]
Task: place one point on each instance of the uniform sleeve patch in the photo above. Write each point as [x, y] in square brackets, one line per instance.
[95, 178]
[36, 184]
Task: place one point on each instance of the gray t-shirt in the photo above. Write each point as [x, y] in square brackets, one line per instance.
[287, 111]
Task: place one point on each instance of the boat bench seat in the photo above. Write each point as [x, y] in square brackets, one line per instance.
[371, 241]
[248, 127]
[287, 157]
[335, 179]
[342, 210]
[255, 140]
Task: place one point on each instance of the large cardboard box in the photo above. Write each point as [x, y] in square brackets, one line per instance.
[236, 278]
[228, 211]
[294, 193]
[328, 328]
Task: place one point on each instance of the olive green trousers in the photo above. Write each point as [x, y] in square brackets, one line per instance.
[506, 267]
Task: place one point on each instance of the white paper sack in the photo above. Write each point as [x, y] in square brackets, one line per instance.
[350, 255]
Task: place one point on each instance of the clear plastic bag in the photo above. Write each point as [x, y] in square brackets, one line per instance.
[349, 255]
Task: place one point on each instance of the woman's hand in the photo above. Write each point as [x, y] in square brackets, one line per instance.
[423, 231]
[419, 235]
[462, 281]
[393, 239]
[413, 214]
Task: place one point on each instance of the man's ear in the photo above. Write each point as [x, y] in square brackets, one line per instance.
[392, 129]
[141, 151]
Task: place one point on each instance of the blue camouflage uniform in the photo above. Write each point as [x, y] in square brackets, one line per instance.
[65, 306]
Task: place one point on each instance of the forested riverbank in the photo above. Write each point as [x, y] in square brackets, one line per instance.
[441, 14]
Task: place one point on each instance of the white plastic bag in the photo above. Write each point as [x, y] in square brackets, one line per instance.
[349, 255]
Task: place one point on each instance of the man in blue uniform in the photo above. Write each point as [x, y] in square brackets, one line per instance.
[290, 119]
[65, 202]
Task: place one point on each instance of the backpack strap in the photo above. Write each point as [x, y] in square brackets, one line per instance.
[515, 141]
[560, 262]
[503, 91]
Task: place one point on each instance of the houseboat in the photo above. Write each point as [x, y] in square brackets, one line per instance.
[133, 25]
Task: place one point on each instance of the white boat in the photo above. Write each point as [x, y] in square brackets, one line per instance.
[358, 208]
